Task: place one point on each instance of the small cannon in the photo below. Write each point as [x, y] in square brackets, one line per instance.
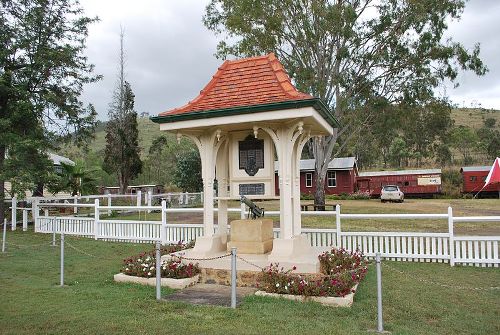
[254, 211]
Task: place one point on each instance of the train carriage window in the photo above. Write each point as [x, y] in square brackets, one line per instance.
[407, 183]
[484, 178]
[473, 178]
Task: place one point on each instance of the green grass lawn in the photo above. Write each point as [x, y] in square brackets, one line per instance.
[91, 303]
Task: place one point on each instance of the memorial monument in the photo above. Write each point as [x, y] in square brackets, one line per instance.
[246, 116]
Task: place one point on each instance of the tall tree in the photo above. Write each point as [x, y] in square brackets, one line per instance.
[121, 155]
[187, 174]
[350, 53]
[42, 71]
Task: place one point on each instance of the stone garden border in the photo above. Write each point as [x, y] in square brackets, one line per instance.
[168, 282]
[345, 301]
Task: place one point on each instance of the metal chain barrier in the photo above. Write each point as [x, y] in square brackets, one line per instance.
[181, 257]
[79, 250]
[249, 263]
[426, 281]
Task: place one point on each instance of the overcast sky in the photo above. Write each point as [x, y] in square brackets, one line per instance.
[169, 52]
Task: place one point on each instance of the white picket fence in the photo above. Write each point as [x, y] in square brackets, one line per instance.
[402, 246]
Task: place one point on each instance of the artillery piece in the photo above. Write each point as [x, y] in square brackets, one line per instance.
[254, 211]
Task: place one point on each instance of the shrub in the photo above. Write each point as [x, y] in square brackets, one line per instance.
[341, 260]
[144, 264]
[341, 271]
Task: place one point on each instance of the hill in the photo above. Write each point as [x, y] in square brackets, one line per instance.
[148, 131]
[474, 117]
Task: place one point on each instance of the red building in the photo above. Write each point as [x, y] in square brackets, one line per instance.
[340, 177]
[474, 178]
[411, 182]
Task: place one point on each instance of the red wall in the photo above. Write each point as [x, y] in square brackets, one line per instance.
[476, 185]
[407, 183]
[345, 183]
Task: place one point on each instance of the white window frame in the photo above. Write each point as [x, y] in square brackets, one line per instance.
[328, 178]
[311, 180]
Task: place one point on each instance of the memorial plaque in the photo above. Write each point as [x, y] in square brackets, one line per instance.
[251, 155]
[252, 189]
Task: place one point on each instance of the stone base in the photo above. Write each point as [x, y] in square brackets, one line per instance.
[207, 246]
[326, 301]
[251, 236]
[251, 247]
[295, 251]
[168, 282]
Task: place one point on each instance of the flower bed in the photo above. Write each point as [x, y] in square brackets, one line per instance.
[144, 265]
[341, 271]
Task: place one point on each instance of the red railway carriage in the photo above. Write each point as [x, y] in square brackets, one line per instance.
[474, 178]
[340, 177]
[411, 182]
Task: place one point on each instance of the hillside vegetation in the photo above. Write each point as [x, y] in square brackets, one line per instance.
[148, 130]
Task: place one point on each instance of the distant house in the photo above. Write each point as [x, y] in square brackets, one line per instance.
[340, 177]
[132, 189]
[41, 191]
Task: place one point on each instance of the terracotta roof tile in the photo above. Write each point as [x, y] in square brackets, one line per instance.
[244, 82]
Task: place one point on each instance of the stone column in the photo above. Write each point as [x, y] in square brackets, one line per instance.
[208, 144]
[222, 174]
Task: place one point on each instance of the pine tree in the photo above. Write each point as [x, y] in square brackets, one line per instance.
[121, 156]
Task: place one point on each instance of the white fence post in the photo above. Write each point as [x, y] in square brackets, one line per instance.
[96, 218]
[139, 198]
[34, 213]
[14, 213]
[163, 231]
[149, 199]
[108, 196]
[75, 201]
[337, 226]
[25, 219]
[243, 210]
[452, 237]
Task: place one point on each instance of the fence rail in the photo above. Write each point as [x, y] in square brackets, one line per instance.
[403, 246]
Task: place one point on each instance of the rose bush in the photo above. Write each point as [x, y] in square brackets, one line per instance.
[340, 272]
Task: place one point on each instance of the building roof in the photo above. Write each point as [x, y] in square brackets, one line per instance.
[244, 82]
[398, 173]
[57, 159]
[245, 86]
[342, 163]
[475, 168]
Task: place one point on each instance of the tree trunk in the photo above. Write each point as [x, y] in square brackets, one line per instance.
[319, 196]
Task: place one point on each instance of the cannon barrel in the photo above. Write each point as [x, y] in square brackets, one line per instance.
[255, 211]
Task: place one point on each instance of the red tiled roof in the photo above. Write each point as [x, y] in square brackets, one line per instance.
[244, 82]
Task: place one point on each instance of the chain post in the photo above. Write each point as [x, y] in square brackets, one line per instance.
[4, 234]
[62, 259]
[158, 271]
[380, 324]
[233, 277]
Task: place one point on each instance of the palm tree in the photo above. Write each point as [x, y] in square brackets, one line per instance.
[75, 178]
